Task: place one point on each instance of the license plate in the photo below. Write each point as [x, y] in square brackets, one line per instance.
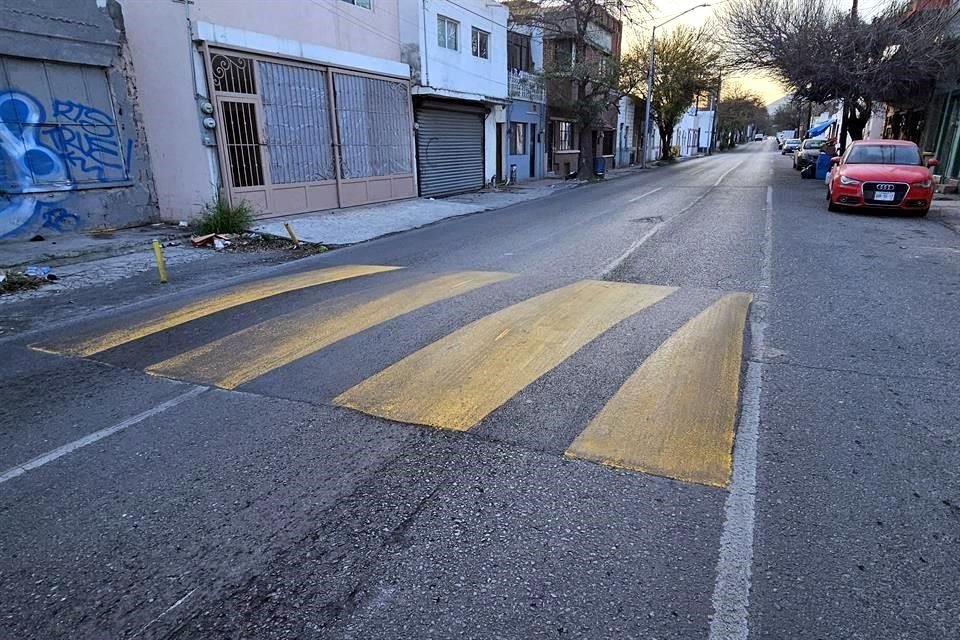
[884, 196]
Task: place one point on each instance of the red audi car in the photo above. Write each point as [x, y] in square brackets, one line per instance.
[882, 174]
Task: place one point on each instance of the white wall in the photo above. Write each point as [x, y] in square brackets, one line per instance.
[459, 74]
[441, 72]
[626, 110]
[703, 120]
[490, 142]
[691, 121]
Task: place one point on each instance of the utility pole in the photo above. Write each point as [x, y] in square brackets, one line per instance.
[844, 115]
[715, 136]
[653, 53]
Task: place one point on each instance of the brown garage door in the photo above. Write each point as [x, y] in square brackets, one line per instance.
[297, 137]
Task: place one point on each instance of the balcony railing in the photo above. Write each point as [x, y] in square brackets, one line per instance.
[527, 86]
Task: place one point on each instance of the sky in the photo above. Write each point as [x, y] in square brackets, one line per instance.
[764, 86]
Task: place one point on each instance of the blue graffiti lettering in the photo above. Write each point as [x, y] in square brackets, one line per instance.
[42, 161]
[90, 143]
[59, 219]
[29, 165]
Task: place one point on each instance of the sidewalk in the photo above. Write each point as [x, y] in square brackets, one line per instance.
[97, 259]
[84, 247]
[946, 211]
[358, 224]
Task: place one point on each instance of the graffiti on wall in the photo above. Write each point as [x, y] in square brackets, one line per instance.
[43, 161]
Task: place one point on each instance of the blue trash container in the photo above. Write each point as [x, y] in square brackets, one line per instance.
[600, 166]
[823, 165]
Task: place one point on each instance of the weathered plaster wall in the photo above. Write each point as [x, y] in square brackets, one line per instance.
[73, 156]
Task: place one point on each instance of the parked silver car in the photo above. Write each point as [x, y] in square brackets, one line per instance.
[789, 146]
[808, 153]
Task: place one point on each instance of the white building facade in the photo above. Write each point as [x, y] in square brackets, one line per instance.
[627, 136]
[457, 53]
[692, 135]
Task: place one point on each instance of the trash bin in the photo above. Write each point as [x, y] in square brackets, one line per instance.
[599, 166]
[823, 165]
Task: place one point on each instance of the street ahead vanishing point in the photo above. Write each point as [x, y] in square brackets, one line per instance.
[686, 403]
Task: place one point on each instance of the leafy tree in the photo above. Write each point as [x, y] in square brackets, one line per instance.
[824, 53]
[588, 79]
[787, 116]
[738, 111]
[685, 67]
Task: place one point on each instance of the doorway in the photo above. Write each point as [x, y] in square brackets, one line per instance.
[533, 151]
[500, 176]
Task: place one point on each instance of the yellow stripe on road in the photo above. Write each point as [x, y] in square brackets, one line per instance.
[456, 381]
[209, 306]
[254, 351]
[675, 415]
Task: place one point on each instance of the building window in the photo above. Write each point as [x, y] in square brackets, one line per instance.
[607, 145]
[447, 31]
[564, 53]
[518, 52]
[603, 65]
[518, 139]
[564, 136]
[480, 43]
[365, 4]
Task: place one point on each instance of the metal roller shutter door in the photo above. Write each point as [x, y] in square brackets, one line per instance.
[449, 151]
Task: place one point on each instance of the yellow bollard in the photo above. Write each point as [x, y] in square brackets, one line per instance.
[161, 265]
[293, 236]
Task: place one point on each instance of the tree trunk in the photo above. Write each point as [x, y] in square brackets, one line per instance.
[666, 138]
[858, 120]
[586, 153]
[844, 126]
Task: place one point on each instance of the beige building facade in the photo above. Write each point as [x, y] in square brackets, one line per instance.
[288, 105]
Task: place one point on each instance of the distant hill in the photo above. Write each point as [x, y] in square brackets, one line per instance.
[773, 106]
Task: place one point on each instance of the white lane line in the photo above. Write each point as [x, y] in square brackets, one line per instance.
[649, 234]
[629, 252]
[727, 172]
[59, 452]
[171, 608]
[644, 195]
[731, 592]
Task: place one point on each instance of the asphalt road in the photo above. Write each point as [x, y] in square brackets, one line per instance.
[524, 432]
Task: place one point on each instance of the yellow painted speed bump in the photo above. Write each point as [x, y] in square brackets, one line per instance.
[209, 306]
[675, 416]
[240, 357]
[456, 381]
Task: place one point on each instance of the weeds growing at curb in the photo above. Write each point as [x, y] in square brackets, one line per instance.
[13, 282]
[221, 217]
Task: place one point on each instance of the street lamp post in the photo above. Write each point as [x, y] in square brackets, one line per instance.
[653, 52]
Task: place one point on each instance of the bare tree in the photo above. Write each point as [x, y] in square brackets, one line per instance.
[824, 53]
[585, 73]
[787, 116]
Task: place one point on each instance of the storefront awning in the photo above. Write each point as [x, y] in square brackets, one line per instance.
[820, 128]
